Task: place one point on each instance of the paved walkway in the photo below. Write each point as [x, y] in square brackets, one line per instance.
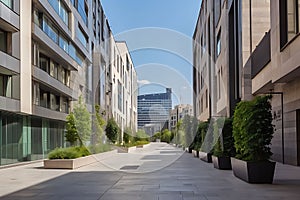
[157, 172]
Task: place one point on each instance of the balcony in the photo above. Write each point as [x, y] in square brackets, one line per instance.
[261, 56]
[9, 18]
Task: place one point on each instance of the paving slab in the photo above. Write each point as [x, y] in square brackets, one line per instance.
[176, 176]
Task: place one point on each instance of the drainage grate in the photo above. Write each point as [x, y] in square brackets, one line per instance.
[129, 167]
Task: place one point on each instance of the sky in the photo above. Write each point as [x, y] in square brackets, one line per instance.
[158, 34]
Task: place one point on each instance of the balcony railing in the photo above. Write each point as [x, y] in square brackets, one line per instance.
[261, 56]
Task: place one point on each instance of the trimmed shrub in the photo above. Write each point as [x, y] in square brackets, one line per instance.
[253, 129]
[68, 153]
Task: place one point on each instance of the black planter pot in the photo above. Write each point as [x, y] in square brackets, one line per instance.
[195, 153]
[205, 156]
[254, 172]
[222, 162]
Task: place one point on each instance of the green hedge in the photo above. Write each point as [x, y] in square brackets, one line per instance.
[68, 153]
[253, 129]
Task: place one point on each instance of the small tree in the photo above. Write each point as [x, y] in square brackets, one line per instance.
[112, 130]
[82, 121]
[166, 136]
[71, 130]
[100, 123]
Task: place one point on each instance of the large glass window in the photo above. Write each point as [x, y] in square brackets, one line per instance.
[3, 41]
[44, 63]
[289, 20]
[5, 85]
[82, 10]
[60, 9]
[8, 3]
[50, 30]
[82, 37]
[63, 43]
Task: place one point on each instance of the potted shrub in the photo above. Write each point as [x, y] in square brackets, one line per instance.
[224, 146]
[253, 132]
[197, 142]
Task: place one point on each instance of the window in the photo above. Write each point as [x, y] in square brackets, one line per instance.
[82, 10]
[53, 69]
[289, 20]
[63, 43]
[5, 85]
[82, 37]
[120, 101]
[50, 30]
[44, 63]
[8, 3]
[218, 47]
[219, 84]
[3, 41]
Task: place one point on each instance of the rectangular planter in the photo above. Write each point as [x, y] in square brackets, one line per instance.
[195, 153]
[69, 163]
[223, 163]
[254, 172]
[205, 156]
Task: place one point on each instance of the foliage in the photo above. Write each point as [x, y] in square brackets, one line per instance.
[166, 136]
[141, 135]
[99, 148]
[128, 136]
[100, 123]
[224, 145]
[200, 135]
[82, 121]
[71, 130]
[253, 129]
[156, 136]
[69, 153]
[137, 143]
[112, 130]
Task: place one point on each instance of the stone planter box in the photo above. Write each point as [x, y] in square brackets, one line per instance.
[223, 162]
[205, 156]
[195, 153]
[69, 163]
[253, 172]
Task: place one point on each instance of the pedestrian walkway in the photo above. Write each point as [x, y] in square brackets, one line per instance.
[157, 172]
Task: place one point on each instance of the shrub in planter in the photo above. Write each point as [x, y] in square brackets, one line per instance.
[253, 132]
[224, 144]
[68, 153]
[206, 149]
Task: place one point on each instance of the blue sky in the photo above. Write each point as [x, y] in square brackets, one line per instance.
[159, 36]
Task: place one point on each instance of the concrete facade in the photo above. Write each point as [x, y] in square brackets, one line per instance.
[178, 113]
[51, 53]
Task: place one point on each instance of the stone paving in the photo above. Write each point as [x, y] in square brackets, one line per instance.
[157, 172]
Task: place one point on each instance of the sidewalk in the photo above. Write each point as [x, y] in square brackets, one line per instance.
[158, 172]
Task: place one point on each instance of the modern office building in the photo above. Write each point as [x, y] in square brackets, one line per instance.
[154, 110]
[178, 113]
[51, 53]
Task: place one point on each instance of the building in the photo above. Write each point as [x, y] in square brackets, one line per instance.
[123, 91]
[223, 42]
[273, 67]
[178, 113]
[153, 111]
[51, 53]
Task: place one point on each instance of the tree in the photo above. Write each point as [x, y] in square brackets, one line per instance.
[166, 136]
[82, 121]
[100, 123]
[112, 130]
[71, 130]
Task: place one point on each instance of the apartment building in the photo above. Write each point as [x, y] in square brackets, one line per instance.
[123, 86]
[178, 113]
[51, 53]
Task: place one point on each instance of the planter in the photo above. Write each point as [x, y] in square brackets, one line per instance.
[69, 163]
[195, 153]
[205, 156]
[253, 172]
[222, 162]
